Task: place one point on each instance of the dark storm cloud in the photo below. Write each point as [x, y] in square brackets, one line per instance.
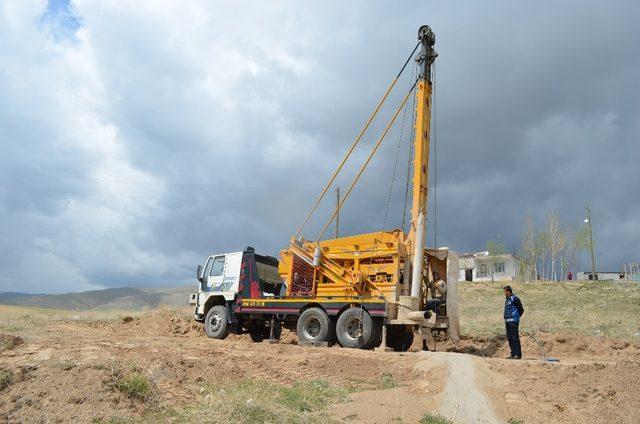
[147, 137]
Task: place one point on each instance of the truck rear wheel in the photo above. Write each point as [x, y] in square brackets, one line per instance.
[356, 329]
[314, 325]
[216, 323]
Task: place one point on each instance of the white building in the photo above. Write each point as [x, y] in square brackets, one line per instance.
[600, 275]
[482, 267]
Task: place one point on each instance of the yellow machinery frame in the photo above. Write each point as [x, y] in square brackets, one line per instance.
[379, 265]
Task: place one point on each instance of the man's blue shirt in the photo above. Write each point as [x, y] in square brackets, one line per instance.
[512, 309]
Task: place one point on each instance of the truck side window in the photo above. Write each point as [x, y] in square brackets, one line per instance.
[218, 266]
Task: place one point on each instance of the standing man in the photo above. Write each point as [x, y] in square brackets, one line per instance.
[513, 310]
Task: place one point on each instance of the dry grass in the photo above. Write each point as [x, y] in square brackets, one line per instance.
[252, 401]
[591, 308]
[6, 378]
[21, 319]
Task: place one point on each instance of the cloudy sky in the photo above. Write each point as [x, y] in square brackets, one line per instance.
[139, 137]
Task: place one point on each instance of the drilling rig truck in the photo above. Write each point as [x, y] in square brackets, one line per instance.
[362, 291]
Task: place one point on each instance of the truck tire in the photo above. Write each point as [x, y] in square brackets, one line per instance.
[314, 325]
[216, 323]
[376, 334]
[357, 330]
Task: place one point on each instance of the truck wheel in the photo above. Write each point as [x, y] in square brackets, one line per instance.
[314, 325]
[216, 324]
[376, 334]
[356, 329]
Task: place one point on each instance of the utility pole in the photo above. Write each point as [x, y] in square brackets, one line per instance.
[337, 212]
[593, 258]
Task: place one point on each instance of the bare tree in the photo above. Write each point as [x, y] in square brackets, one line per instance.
[555, 241]
[529, 251]
[542, 245]
[562, 246]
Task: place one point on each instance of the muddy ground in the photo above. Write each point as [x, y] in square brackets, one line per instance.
[66, 370]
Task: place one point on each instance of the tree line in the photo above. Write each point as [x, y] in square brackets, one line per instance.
[551, 252]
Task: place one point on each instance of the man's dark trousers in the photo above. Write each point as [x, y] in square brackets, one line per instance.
[514, 338]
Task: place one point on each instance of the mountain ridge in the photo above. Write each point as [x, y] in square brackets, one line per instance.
[125, 298]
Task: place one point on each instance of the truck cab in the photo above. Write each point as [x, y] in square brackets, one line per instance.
[224, 280]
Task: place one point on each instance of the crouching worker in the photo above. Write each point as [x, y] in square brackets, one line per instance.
[438, 291]
[513, 310]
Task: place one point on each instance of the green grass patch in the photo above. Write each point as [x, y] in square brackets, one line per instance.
[64, 365]
[6, 378]
[515, 421]
[434, 419]
[258, 401]
[387, 381]
[111, 420]
[135, 385]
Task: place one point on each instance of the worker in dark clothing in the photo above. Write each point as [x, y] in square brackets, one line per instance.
[513, 310]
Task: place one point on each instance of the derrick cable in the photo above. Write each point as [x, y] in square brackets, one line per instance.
[395, 168]
[364, 165]
[355, 143]
[409, 160]
[395, 163]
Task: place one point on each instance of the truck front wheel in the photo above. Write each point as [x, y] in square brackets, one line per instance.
[314, 325]
[216, 323]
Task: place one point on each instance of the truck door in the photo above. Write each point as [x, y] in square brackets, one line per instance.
[216, 273]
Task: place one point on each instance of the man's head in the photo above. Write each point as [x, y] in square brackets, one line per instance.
[507, 291]
[436, 275]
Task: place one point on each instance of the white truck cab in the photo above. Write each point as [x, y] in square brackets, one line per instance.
[221, 274]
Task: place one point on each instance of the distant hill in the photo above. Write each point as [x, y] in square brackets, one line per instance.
[11, 295]
[125, 298]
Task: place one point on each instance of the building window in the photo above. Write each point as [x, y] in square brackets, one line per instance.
[499, 267]
[483, 270]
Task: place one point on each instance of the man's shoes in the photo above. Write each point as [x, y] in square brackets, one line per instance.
[517, 357]
[512, 357]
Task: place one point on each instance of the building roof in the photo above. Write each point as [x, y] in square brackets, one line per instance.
[485, 254]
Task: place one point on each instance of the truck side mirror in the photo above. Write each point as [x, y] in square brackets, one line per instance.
[199, 273]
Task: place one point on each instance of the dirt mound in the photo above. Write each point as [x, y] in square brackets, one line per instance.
[569, 392]
[161, 322]
[9, 341]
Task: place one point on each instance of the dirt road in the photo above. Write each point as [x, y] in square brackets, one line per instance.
[463, 398]
[65, 370]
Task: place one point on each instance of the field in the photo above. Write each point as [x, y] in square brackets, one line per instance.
[121, 366]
